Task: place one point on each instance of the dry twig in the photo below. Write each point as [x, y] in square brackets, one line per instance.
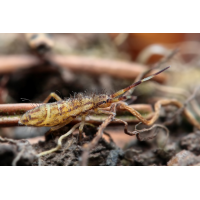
[8, 118]
[11, 113]
[119, 69]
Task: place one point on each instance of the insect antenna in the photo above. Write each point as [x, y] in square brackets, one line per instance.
[120, 92]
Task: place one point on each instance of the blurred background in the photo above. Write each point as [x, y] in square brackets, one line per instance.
[34, 65]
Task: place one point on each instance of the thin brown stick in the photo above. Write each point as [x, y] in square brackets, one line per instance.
[8, 121]
[16, 108]
[21, 108]
[119, 69]
[11, 113]
[9, 64]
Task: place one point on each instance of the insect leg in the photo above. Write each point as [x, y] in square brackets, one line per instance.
[59, 145]
[80, 136]
[137, 114]
[157, 107]
[101, 111]
[122, 98]
[58, 126]
[54, 95]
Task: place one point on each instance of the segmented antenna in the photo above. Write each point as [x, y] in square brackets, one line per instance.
[136, 83]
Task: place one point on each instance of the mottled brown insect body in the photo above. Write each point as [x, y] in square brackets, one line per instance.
[52, 114]
[62, 112]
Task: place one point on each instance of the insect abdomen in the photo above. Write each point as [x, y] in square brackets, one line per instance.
[34, 117]
[44, 115]
[52, 114]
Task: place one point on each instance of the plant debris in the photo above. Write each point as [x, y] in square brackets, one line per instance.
[16, 152]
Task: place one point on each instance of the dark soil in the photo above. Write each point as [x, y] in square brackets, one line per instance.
[16, 152]
[183, 151]
[105, 153]
[70, 154]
